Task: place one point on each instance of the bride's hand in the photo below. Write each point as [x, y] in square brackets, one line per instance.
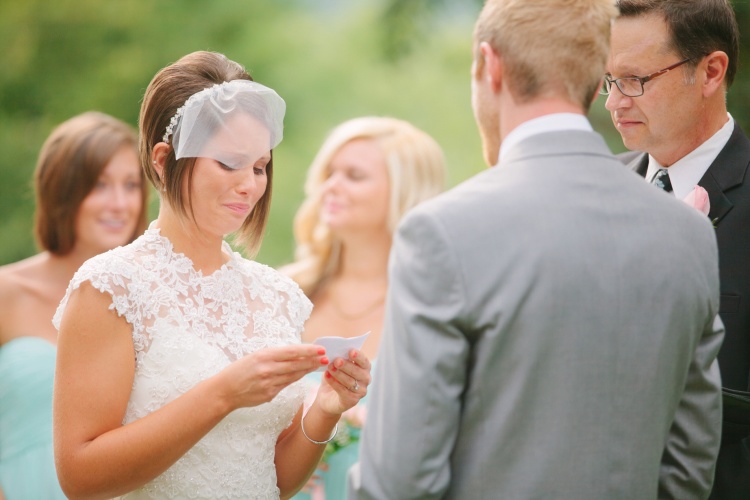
[345, 383]
[258, 377]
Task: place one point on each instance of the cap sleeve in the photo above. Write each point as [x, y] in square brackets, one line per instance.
[110, 274]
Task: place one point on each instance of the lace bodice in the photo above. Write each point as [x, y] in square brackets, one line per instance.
[188, 327]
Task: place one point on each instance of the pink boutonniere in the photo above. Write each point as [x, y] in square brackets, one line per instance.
[698, 199]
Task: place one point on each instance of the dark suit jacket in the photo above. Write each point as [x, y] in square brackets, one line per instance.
[727, 182]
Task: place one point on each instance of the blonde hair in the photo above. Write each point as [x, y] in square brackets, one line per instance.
[416, 172]
[549, 47]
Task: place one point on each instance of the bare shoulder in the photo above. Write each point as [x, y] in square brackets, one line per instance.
[7, 300]
[8, 280]
[22, 272]
[16, 279]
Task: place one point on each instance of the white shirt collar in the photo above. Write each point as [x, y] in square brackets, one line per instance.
[688, 170]
[546, 123]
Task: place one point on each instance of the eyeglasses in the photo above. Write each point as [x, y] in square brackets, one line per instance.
[632, 86]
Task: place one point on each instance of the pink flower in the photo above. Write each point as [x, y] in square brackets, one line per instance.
[698, 199]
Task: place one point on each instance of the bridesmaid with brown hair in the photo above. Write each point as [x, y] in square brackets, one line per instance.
[90, 197]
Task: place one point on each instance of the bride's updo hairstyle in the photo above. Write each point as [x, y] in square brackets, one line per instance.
[168, 91]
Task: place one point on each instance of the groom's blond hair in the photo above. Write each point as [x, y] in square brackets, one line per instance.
[549, 47]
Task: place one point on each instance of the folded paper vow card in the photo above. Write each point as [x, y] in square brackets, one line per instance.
[339, 347]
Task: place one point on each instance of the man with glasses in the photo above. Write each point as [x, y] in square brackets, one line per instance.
[676, 119]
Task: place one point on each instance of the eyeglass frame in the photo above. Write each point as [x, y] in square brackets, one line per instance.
[607, 81]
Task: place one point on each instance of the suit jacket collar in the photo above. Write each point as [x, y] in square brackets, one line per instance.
[557, 143]
[727, 171]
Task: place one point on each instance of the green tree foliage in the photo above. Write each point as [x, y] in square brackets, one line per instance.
[63, 58]
[738, 98]
[331, 60]
[324, 57]
[406, 22]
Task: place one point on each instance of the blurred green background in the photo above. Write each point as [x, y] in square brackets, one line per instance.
[331, 60]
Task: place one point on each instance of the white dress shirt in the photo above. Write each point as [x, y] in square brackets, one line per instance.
[688, 170]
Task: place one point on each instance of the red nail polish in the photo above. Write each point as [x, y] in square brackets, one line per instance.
[321, 351]
[354, 355]
[328, 375]
[324, 360]
[333, 367]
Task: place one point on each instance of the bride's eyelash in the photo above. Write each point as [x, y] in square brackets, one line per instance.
[258, 169]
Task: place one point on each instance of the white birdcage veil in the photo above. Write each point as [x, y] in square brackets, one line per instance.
[233, 123]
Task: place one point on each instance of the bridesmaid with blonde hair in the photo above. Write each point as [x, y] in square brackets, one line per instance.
[367, 174]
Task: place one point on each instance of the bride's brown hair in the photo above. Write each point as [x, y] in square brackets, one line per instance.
[168, 91]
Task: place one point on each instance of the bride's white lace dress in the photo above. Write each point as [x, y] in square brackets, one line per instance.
[186, 328]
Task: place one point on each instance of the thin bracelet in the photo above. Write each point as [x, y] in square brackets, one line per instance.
[333, 435]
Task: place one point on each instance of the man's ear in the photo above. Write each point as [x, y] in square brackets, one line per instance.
[712, 71]
[493, 66]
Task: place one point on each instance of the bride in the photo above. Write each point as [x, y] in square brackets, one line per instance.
[179, 360]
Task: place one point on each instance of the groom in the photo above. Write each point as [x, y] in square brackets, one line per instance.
[551, 328]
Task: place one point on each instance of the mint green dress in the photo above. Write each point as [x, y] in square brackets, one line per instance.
[332, 480]
[27, 469]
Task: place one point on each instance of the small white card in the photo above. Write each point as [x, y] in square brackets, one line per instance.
[339, 347]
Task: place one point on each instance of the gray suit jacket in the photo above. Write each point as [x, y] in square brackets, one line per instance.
[551, 332]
